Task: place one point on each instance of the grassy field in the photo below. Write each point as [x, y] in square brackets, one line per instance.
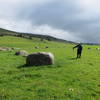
[67, 79]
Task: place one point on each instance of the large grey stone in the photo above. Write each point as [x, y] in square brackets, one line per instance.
[40, 58]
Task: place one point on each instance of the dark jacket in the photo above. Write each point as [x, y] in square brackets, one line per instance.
[79, 48]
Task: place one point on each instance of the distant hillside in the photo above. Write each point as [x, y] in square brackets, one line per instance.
[4, 32]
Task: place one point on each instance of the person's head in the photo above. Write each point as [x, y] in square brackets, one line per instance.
[80, 44]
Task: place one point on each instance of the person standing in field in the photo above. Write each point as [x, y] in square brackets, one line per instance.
[79, 50]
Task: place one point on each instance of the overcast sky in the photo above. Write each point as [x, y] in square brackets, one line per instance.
[74, 20]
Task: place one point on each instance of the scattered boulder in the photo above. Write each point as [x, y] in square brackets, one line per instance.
[5, 49]
[36, 47]
[89, 48]
[17, 48]
[46, 47]
[97, 48]
[2, 49]
[40, 58]
[22, 53]
[13, 48]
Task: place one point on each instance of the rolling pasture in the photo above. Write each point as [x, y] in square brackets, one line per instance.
[67, 79]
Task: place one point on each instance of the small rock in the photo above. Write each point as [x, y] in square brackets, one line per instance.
[22, 53]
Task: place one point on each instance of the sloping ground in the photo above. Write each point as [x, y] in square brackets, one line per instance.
[67, 79]
[4, 32]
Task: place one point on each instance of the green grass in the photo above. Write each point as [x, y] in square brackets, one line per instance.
[67, 79]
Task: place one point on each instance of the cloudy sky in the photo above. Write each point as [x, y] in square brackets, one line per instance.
[74, 20]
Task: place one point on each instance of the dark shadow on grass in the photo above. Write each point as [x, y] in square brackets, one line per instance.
[23, 66]
[28, 66]
[36, 66]
[73, 58]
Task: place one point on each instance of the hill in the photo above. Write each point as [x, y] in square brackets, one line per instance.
[4, 32]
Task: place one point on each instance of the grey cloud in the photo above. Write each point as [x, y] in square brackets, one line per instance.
[62, 15]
